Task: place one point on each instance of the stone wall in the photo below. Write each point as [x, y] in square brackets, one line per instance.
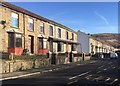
[55, 59]
[17, 65]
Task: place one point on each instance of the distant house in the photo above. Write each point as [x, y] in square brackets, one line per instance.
[90, 45]
[84, 41]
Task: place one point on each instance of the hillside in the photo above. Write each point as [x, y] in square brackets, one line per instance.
[109, 38]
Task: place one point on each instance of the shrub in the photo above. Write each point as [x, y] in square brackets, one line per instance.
[41, 56]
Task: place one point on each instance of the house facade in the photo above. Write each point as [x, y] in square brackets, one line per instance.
[97, 46]
[90, 45]
[84, 40]
[23, 30]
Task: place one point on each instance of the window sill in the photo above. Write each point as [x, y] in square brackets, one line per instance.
[42, 33]
[31, 30]
[15, 27]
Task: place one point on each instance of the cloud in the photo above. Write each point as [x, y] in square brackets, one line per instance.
[102, 17]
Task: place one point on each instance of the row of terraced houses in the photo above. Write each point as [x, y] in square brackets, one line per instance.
[21, 29]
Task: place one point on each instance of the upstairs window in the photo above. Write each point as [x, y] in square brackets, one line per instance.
[14, 20]
[51, 30]
[72, 36]
[41, 27]
[30, 24]
[59, 33]
[66, 35]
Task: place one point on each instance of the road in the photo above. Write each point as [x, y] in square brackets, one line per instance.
[99, 72]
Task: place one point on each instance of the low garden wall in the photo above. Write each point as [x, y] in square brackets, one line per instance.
[17, 65]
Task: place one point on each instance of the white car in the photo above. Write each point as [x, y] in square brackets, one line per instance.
[113, 55]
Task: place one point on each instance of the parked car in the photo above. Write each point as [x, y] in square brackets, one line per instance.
[113, 56]
[97, 56]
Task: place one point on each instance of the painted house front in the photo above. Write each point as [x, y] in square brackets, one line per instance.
[84, 41]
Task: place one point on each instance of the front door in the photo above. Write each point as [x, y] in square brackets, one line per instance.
[31, 44]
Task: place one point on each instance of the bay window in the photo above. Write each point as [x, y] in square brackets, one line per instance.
[14, 20]
[42, 43]
[18, 40]
[14, 40]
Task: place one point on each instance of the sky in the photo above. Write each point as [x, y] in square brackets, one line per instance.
[88, 17]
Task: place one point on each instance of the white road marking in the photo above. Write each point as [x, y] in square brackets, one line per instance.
[98, 71]
[98, 77]
[107, 79]
[105, 69]
[72, 82]
[20, 76]
[79, 75]
[114, 81]
[88, 77]
[100, 67]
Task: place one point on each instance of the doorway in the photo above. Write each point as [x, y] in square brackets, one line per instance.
[31, 44]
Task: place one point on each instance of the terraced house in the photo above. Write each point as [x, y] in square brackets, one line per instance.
[90, 45]
[21, 29]
[100, 47]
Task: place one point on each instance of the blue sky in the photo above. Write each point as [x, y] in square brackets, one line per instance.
[89, 17]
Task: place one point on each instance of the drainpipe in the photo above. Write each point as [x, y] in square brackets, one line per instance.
[24, 28]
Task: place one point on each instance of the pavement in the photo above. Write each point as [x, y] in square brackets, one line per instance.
[34, 71]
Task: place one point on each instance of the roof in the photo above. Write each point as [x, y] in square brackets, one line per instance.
[62, 40]
[19, 9]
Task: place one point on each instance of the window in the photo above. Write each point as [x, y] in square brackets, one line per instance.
[91, 48]
[41, 27]
[15, 40]
[72, 36]
[30, 23]
[51, 30]
[11, 40]
[51, 46]
[60, 47]
[66, 35]
[74, 47]
[59, 33]
[14, 20]
[18, 40]
[42, 43]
